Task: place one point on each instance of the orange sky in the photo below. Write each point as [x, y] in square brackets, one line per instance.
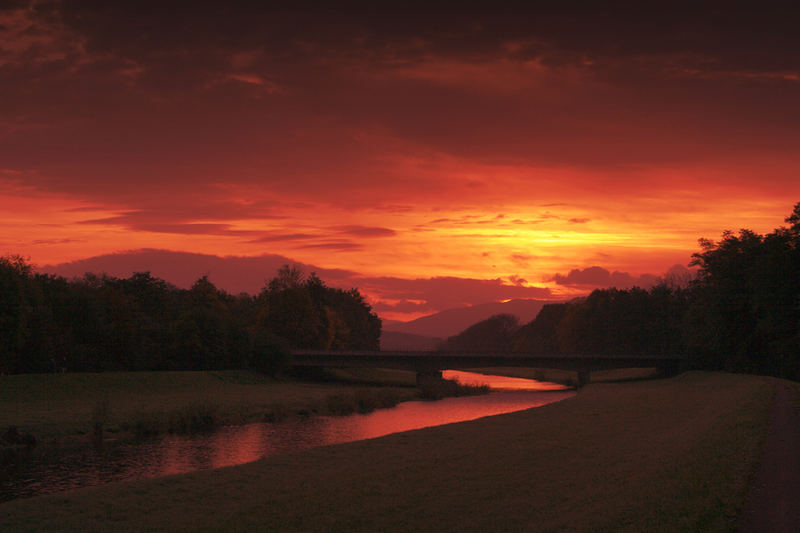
[401, 152]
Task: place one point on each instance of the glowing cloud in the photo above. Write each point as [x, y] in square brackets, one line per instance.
[415, 147]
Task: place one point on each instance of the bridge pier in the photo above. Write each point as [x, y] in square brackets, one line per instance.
[583, 378]
[429, 377]
[672, 369]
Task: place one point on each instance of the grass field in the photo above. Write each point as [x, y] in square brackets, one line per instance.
[50, 405]
[657, 455]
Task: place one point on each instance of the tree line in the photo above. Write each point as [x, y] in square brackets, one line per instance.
[96, 323]
[741, 313]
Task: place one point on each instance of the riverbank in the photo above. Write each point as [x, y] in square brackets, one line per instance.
[672, 455]
[71, 410]
[123, 404]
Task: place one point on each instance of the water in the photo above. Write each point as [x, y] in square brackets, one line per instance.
[236, 445]
[501, 382]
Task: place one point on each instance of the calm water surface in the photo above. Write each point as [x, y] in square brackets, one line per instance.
[236, 445]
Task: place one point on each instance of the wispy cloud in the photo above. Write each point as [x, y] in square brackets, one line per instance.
[54, 241]
[365, 231]
[281, 237]
[407, 141]
[332, 245]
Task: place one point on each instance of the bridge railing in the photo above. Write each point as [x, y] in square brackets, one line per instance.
[440, 360]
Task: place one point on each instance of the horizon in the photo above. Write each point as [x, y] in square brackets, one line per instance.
[432, 159]
[236, 275]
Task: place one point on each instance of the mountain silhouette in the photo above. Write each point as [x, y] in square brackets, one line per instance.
[452, 321]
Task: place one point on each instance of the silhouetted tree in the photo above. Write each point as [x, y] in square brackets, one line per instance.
[16, 311]
[495, 334]
[308, 314]
[741, 313]
[142, 322]
[745, 314]
[539, 336]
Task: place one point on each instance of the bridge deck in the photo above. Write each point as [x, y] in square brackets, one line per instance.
[432, 361]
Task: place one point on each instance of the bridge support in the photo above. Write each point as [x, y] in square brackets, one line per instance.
[583, 378]
[672, 369]
[429, 377]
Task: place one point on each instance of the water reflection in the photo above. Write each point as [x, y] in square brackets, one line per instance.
[242, 444]
[500, 382]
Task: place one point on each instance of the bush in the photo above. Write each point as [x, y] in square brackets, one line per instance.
[362, 401]
[387, 398]
[365, 400]
[340, 404]
[438, 389]
[144, 424]
[195, 418]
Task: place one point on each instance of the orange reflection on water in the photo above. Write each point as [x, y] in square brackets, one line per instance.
[247, 447]
[419, 414]
[500, 382]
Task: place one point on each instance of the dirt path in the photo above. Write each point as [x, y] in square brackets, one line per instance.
[773, 503]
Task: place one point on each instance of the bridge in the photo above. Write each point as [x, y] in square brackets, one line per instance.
[429, 365]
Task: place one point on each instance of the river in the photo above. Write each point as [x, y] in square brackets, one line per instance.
[234, 445]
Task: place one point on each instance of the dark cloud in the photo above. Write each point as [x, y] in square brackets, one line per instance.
[522, 259]
[680, 276]
[159, 210]
[599, 277]
[332, 245]
[403, 306]
[232, 273]
[54, 241]
[192, 120]
[196, 229]
[734, 36]
[517, 280]
[144, 92]
[281, 237]
[366, 231]
[183, 218]
[87, 209]
[185, 229]
[448, 292]
[249, 274]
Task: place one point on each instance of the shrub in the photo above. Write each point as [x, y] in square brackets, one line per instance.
[99, 416]
[340, 404]
[194, 418]
[365, 400]
[144, 424]
[438, 389]
[387, 398]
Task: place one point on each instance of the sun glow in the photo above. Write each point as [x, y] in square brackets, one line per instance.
[477, 156]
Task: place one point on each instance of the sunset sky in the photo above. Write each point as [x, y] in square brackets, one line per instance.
[432, 158]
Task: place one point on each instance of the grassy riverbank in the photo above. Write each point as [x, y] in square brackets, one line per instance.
[659, 455]
[62, 405]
